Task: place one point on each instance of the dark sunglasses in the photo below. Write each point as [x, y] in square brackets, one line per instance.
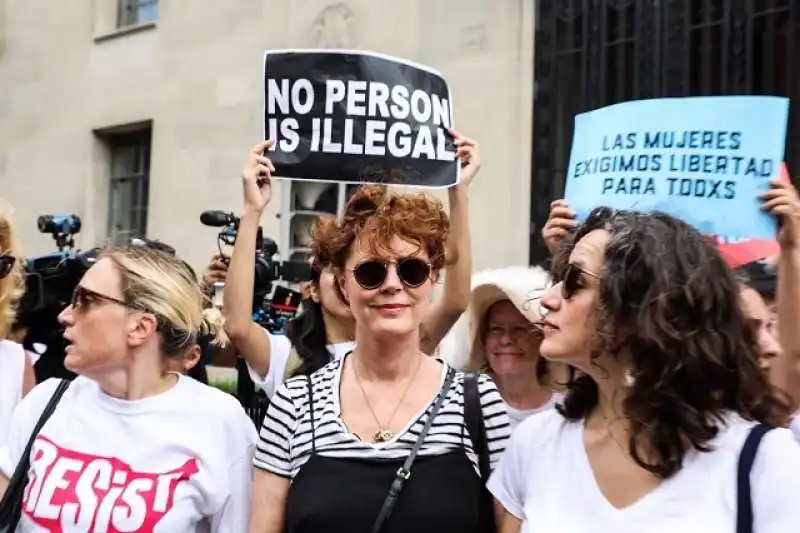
[372, 273]
[83, 298]
[571, 281]
[6, 265]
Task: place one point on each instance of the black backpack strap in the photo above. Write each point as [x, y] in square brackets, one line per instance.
[473, 418]
[744, 503]
[11, 504]
[404, 472]
[311, 414]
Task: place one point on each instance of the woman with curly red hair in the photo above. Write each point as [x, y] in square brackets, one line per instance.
[379, 438]
[325, 328]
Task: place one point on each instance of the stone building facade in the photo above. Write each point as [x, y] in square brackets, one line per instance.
[137, 114]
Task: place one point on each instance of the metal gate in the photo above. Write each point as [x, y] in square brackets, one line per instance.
[592, 53]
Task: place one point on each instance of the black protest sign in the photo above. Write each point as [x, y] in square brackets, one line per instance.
[358, 117]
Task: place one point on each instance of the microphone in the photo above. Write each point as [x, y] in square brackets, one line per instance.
[217, 219]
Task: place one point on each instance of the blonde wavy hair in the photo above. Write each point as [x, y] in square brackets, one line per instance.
[157, 282]
[12, 287]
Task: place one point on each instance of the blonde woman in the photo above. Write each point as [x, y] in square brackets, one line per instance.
[16, 371]
[500, 336]
[132, 446]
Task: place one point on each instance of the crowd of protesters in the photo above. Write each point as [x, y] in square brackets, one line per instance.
[639, 383]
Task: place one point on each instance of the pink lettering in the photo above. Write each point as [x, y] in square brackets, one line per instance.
[79, 492]
[43, 455]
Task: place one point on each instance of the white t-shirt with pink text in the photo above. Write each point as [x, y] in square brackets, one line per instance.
[177, 461]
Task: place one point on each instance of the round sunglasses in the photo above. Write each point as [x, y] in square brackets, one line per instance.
[372, 273]
[6, 265]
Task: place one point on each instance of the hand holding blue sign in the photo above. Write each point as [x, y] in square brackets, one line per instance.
[560, 222]
[700, 159]
[782, 201]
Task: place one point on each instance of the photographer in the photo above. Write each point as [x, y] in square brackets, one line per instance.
[16, 370]
[326, 329]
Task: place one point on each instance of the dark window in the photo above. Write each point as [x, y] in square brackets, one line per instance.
[593, 53]
[128, 191]
[133, 12]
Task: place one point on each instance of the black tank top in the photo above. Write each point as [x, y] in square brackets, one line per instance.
[443, 495]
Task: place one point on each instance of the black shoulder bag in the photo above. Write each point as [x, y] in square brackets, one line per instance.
[744, 503]
[473, 417]
[11, 504]
[404, 472]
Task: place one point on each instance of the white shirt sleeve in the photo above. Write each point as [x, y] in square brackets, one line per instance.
[795, 427]
[6, 463]
[234, 516]
[507, 482]
[775, 483]
[280, 348]
[274, 450]
[12, 374]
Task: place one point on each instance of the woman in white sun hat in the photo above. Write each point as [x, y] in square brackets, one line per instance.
[499, 335]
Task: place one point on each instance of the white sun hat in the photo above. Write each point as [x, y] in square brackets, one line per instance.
[523, 286]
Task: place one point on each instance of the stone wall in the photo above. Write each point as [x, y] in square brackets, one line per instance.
[65, 73]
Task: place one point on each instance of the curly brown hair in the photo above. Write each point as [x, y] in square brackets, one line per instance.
[669, 311]
[376, 215]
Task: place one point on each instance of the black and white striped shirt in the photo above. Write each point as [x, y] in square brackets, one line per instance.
[285, 438]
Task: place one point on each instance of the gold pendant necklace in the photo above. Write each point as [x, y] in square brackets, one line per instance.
[383, 434]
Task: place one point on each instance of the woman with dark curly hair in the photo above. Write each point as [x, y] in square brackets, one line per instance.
[382, 429]
[669, 389]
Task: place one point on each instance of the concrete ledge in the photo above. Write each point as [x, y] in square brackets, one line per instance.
[125, 30]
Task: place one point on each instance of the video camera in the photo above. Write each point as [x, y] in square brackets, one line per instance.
[272, 305]
[49, 282]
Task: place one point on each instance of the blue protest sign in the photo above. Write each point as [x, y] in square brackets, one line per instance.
[701, 159]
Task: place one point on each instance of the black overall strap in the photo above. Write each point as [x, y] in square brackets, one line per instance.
[311, 414]
[473, 418]
[11, 504]
[744, 503]
[404, 472]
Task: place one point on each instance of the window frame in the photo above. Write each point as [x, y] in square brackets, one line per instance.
[139, 176]
[128, 12]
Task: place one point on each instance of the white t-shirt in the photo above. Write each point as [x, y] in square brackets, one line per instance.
[280, 349]
[12, 370]
[516, 416]
[545, 480]
[795, 427]
[178, 461]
